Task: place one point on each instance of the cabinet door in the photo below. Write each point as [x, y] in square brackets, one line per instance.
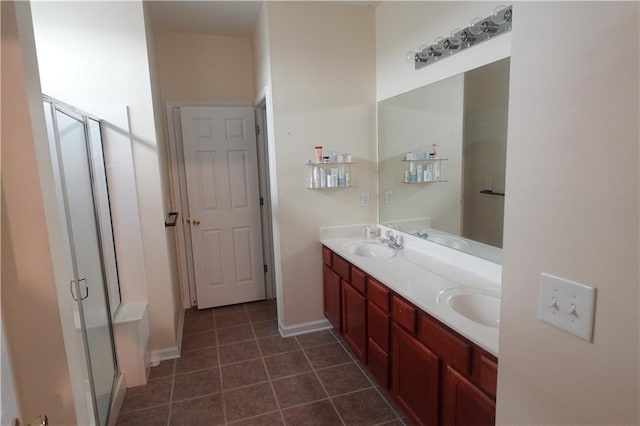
[354, 316]
[378, 363]
[415, 377]
[332, 297]
[464, 404]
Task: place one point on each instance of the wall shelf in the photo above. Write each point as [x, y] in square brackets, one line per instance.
[425, 170]
[333, 175]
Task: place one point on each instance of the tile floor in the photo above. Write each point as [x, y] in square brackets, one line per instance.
[235, 369]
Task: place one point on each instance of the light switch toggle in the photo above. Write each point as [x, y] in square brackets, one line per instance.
[568, 305]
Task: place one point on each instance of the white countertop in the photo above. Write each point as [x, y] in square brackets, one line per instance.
[422, 272]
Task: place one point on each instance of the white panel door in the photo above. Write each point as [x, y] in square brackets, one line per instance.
[221, 165]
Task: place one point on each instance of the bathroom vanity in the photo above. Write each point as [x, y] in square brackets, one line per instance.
[424, 328]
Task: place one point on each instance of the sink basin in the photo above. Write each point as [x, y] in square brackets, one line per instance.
[452, 242]
[372, 249]
[479, 306]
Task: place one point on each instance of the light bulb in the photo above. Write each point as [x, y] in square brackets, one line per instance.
[423, 51]
[475, 26]
[498, 15]
[453, 42]
[410, 57]
[438, 44]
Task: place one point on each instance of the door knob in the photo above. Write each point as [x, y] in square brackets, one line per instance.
[193, 221]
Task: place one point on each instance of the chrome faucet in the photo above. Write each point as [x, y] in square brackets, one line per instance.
[393, 241]
[422, 233]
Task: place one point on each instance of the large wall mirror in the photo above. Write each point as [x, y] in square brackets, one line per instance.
[456, 197]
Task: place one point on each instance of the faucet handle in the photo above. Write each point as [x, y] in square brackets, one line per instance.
[388, 234]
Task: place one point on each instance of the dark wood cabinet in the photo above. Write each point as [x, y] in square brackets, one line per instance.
[435, 375]
[378, 331]
[354, 317]
[332, 295]
[464, 404]
[415, 377]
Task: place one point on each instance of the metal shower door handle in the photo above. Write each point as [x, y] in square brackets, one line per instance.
[86, 289]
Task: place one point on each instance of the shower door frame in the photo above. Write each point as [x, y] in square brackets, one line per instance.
[84, 117]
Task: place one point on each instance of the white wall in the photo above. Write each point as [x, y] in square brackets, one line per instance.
[32, 259]
[205, 68]
[96, 52]
[261, 52]
[404, 25]
[572, 211]
[323, 86]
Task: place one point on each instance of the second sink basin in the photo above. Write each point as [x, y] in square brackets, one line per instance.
[372, 249]
[479, 306]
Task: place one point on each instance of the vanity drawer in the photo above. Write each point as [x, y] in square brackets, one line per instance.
[488, 376]
[378, 294]
[342, 267]
[358, 280]
[378, 326]
[453, 350]
[404, 314]
[326, 256]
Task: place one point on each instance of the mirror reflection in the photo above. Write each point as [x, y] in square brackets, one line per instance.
[442, 155]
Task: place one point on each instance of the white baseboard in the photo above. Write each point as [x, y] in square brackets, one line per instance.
[119, 391]
[173, 352]
[304, 328]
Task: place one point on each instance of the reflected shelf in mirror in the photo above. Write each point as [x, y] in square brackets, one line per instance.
[466, 116]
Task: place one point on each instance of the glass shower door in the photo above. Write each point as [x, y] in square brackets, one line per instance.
[88, 286]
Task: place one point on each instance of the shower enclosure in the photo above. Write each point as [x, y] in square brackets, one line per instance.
[92, 287]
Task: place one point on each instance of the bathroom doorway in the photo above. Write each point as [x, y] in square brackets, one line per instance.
[217, 188]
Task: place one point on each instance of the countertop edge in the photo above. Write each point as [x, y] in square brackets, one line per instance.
[485, 337]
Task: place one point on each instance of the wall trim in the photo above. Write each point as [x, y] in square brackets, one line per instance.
[173, 352]
[304, 328]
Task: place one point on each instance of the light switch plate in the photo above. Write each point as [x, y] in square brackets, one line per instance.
[364, 199]
[568, 305]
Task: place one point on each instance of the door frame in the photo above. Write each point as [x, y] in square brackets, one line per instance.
[179, 203]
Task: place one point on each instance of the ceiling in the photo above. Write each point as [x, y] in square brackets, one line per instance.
[225, 18]
[231, 18]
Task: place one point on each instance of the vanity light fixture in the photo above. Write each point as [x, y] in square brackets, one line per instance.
[477, 31]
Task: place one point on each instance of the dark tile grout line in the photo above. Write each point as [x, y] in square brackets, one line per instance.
[356, 361]
[221, 380]
[324, 389]
[173, 381]
[273, 389]
[373, 385]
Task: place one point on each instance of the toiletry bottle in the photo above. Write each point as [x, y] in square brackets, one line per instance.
[347, 179]
[419, 172]
[316, 177]
[412, 172]
[323, 179]
[436, 170]
[317, 154]
[341, 176]
[334, 158]
[429, 171]
[406, 176]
